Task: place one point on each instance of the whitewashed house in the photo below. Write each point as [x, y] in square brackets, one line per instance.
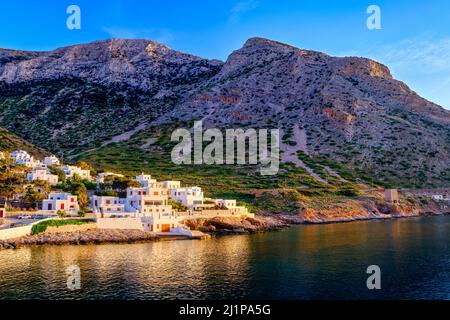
[107, 207]
[70, 171]
[144, 208]
[171, 185]
[190, 197]
[147, 208]
[52, 160]
[231, 205]
[145, 180]
[225, 203]
[44, 175]
[60, 201]
[21, 157]
[438, 197]
[2, 155]
[148, 200]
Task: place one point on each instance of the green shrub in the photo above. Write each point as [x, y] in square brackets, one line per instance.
[42, 226]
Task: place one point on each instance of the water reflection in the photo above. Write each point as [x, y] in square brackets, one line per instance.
[305, 262]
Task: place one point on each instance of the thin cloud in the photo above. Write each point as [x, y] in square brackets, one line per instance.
[420, 62]
[416, 55]
[160, 35]
[241, 8]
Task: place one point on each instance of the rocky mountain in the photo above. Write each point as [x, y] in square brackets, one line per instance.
[336, 114]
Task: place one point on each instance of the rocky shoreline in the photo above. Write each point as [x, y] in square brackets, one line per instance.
[220, 226]
[90, 236]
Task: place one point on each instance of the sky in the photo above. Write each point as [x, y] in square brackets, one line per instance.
[414, 39]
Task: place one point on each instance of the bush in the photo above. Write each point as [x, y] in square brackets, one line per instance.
[348, 192]
[42, 226]
[61, 213]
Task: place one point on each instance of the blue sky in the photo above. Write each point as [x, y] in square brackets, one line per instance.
[414, 40]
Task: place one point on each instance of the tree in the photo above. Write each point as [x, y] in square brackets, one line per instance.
[76, 187]
[32, 195]
[57, 171]
[80, 191]
[178, 206]
[61, 213]
[44, 186]
[85, 166]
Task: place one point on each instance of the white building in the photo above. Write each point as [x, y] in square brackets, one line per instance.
[21, 157]
[145, 208]
[60, 201]
[145, 180]
[190, 197]
[52, 160]
[226, 203]
[107, 207]
[44, 175]
[2, 155]
[438, 197]
[171, 185]
[69, 171]
[148, 200]
[231, 205]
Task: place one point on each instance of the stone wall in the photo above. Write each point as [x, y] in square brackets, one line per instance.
[120, 223]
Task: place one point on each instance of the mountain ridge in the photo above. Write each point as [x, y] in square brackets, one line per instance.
[346, 109]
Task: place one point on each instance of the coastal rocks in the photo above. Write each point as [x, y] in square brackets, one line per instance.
[346, 210]
[91, 236]
[7, 245]
[235, 225]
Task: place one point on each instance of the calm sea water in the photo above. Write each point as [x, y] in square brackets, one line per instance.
[304, 262]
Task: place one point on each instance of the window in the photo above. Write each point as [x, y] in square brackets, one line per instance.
[155, 193]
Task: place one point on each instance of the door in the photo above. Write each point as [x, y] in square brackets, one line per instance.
[50, 207]
[165, 228]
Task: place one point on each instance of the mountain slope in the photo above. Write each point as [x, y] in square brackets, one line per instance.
[10, 142]
[75, 97]
[340, 117]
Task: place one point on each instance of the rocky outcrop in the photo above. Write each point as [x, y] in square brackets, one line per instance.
[367, 209]
[235, 225]
[90, 236]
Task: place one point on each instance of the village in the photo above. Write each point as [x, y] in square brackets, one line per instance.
[111, 199]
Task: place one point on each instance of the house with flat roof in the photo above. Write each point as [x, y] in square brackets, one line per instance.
[70, 171]
[44, 175]
[60, 201]
[52, 160]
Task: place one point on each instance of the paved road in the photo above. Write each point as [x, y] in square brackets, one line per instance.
[17, 222]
